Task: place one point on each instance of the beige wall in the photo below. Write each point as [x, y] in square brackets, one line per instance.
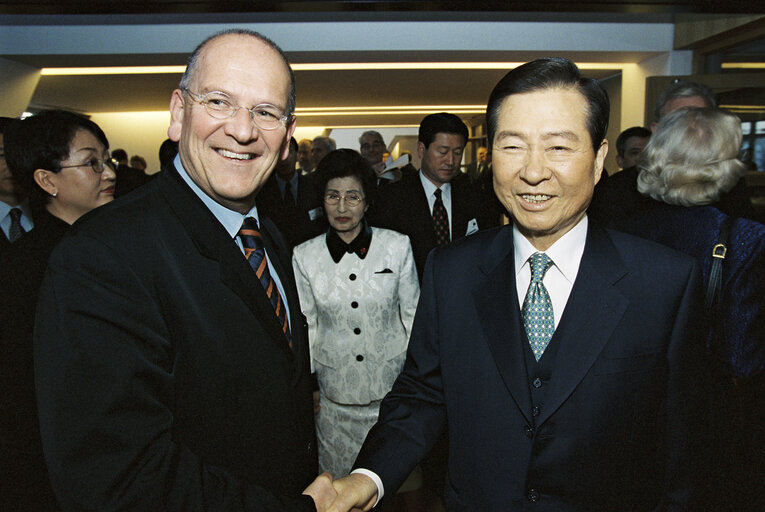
[138, 133]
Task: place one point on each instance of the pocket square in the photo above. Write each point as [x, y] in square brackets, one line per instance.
[386, 271]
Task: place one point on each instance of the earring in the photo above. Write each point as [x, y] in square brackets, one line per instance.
[54, 194]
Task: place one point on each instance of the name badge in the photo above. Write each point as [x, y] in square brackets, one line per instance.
[472, 227]
[316, 213]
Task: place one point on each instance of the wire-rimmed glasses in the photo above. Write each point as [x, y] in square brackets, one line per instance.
[220, 106]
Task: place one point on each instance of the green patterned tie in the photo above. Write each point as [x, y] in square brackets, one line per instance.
[537, 310]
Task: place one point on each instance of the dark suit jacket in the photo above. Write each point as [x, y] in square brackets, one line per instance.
[403, 207]
[614, 430]
[163, 379]
[300, 223]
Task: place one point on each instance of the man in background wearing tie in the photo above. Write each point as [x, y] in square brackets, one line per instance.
[565, 356]
[432, 207]
[171, 358]
[15, 214]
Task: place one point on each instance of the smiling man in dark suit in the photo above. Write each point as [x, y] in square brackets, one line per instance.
[564, 356]
[438, 204]
[170, 353]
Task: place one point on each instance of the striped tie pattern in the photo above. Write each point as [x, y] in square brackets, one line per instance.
[255, 252]
[537, 309]
[440, 220]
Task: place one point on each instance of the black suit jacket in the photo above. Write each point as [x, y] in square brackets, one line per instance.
[300, 223]
[164, 381]
[403, 207]
[615, 428]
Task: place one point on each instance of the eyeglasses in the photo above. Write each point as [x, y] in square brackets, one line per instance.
[97, 164]
[352, 199]
[220, 106]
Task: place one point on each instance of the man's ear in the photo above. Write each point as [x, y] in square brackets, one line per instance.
[176, 115]
[45, 180]
[600, 159]
[286, 144]
[620, 161]
[420, 149]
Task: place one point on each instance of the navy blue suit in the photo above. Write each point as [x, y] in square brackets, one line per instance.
[614, 430]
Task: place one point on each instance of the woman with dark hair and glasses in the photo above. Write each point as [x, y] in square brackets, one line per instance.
[62, 160]
[358, 290]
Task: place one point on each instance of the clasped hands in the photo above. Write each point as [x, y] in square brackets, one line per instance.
[355, 493]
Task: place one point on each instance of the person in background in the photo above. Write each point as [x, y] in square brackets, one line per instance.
[358, 291]
[138, 162]
[629, 144]
[690, 162]
[305, 163]
[372, 147]
[292, 202]
[128, 178]
[167, 152]
[63, 160]
[321, 147]
[619, 192]
[481, 164]
[15, 214]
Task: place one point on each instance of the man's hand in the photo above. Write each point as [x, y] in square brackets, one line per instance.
[354, 492]
[321, 491]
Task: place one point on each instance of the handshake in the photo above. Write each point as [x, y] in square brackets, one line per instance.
[356, 492]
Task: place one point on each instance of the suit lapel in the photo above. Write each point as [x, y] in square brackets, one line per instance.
[497, 304]
[592, 312]
[213, 242]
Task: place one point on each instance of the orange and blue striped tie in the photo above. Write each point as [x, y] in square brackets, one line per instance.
[255, 252]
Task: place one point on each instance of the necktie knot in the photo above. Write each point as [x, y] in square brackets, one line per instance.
[437, 193]
[540, 263]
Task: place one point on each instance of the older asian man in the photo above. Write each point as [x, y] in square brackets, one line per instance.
[563, 355]
[171, 357]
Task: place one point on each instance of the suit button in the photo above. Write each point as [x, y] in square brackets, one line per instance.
[356, 331]
[535, 411]
[359, 357]
[537, 383]
[528, 431]
[352, 277]
[533, 495]
[354, 304]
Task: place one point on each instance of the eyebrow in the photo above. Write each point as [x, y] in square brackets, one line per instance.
[564, 134]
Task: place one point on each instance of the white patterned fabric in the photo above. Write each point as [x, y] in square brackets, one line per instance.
[359, 315]
[537, 309]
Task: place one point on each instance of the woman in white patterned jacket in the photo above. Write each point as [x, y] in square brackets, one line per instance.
[358, 290]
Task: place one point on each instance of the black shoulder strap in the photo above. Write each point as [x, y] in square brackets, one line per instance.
[719, 251]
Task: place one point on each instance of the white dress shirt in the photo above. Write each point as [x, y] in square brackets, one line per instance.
[446, 197]
[566, 254]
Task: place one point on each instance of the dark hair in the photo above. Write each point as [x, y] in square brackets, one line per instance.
[443, 122]
[635, 131]
[342, 163]
[293, 145]
[4, 122]
[120, 155]
[167, 151]
[42, 141]
[682, 89]
[551, 73]
[191, 66]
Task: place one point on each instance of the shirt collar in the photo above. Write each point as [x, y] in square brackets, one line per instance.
[359, 245]
[566, 252]
[231, 220]
[430, 187]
